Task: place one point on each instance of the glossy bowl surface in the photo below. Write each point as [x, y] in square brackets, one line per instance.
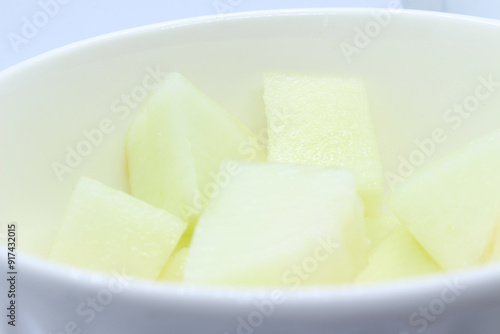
[64, 114]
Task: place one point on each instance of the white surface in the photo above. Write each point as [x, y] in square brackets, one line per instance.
[416, 68]
[73, 20]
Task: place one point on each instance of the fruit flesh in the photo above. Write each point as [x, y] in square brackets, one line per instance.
[495, 254]
[324, 121]
[175, 146]
[281, 234]
[492, 253]
[174, 269]
[453, 206]
[378, 227]
[110, 231]
[273, 219]
[396, 257]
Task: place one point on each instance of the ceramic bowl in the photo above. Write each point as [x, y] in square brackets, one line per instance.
[418, 66]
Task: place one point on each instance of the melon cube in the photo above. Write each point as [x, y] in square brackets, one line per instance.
[495, 253]
[324, 121]
[452, 207]
[174, 269]
[398, 256]
[378, 227]
[280, 224]
[110, 231]
[175, 146]
[492, 253]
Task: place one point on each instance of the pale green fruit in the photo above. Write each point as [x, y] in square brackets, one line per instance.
[110, 231]
[378, 227]
[176, 144]
[492, 253]
[174, 269]
[280, 224]
[398, 256]
[495, 254]
[453, 206]
[324, 121]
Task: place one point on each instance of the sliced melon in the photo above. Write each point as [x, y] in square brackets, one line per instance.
[495, 254]
[378, 227]
[398, 256]
[492, 253]
[324, 121]
[176, 144]
[453, 206]
[110, 231]
[280, 224]
[174, 269]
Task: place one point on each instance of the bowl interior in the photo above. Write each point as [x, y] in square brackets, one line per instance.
[65, 114]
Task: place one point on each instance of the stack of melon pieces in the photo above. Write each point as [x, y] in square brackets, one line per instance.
[207, 207]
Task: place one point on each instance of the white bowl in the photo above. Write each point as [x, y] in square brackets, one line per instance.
[417, 65]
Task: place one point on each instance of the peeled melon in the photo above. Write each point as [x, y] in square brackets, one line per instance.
[492, 253]
[280, 224]
[398, 256]
[453, 206]
[175, 146]
[324, 121]
[495, 254]
[110, 231]
[378, 227]
[174, 269]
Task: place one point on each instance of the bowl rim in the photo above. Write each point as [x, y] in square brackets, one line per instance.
[347, 293]
[99, 40]
[394, 292]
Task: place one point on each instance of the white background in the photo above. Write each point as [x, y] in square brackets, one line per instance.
[32, 27]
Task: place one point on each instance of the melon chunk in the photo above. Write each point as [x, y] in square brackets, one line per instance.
[110, 231]
[324, 121]
[495, 253]
[175, 146]
[280, 224]
[174, 269]
[398, 256]
[492, 253]
[453, 206]
[378, 227]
